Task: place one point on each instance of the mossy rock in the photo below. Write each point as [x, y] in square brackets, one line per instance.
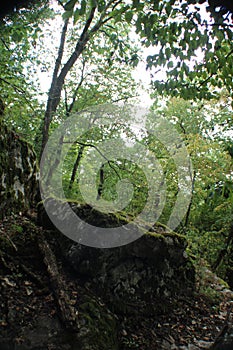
[98, 326]
[18, 173]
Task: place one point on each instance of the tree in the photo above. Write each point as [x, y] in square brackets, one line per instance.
[204, 129]
[199, 63]
[177, 29]
[92, 17]
[18, 86]
[157, 24]
[16, 5]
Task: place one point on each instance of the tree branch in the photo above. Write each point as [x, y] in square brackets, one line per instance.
[84, 37]
[219, 66]
[101, 153]
[69, 109]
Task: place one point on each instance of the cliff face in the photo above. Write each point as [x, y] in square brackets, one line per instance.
[18, 173]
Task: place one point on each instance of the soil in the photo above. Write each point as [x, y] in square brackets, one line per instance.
[30, 317]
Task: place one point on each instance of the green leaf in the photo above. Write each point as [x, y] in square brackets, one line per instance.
[135, 3]
[168, 9]
[138, 26]
[17, 36]
[168, 53]
[76, 15]
[129, 16]
[70, 5]
[101, 5]
[67, 14]
[83, 7]
[170, 64]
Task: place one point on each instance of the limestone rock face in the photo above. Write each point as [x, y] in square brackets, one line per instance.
[133, 276]
[127, 277]
[18, 173]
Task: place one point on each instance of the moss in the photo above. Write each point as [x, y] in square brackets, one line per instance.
[97, 218]
[165, 234]
[99, 330]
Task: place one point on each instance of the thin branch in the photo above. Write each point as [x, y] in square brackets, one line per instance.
[84, 37]
[125, 98]
[15, 87]
[5, 44]
[219, 66]
[113, 8]
[69, 109]
[60, 3]
[66, 100]
[60, 50]
[224, 25]
[19, 90]
[102, 155]
[102, 21]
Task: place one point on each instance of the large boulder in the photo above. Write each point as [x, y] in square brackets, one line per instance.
[134, 276]
[131, 276]
[18, 172]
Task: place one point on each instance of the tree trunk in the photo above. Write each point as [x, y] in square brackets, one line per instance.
[101, 183]
[55, 90]
[223, 252]
[191, 201]
[58, 79]
[76, 165]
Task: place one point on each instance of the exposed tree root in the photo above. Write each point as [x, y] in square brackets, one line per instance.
[67, 313]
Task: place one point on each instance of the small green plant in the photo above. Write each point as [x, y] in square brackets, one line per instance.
[17, 228]
[213, 296]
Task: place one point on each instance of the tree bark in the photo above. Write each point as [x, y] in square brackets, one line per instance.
[58, 79]
[54, 92]
[191, 201]
[76, 165]
[67, 312]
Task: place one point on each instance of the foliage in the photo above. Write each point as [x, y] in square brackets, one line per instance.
[205, 131]
[179, 32]
[194, 50]
[18, 89]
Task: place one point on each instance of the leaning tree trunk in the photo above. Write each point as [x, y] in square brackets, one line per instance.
[59, 78]
[55, 90]
[76, 165]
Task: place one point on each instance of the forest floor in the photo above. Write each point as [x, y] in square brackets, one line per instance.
[191, 322]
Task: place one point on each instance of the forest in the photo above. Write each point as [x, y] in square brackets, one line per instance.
[116, 175]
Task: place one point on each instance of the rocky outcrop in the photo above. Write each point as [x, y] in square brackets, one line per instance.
[132, 276]
[18, 173]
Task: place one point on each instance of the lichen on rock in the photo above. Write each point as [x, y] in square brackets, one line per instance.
[18, 173]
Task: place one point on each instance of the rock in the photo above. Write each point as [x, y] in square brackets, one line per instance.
[229, 275]
[18, 173]
[134, 276]
[225, 339]
[97, 331]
